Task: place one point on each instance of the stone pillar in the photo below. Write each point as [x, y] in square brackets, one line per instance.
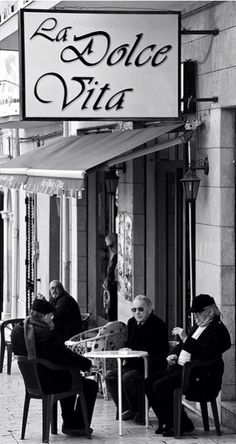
[14, 248]
[6, 313]
[215, 226]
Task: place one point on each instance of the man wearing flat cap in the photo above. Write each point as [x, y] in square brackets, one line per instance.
[207, 340]
[37, 338]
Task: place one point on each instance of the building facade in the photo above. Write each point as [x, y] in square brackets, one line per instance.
[165, 250]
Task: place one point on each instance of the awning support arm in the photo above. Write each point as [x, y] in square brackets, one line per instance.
[185, 31]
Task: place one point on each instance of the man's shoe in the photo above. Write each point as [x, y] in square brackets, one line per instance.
[126, 416]
[159, 430]
[75, 432]
[139, 419]
[168, 431]
[187, 427]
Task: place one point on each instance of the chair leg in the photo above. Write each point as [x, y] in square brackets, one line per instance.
[54, 419]
[177, 412]
[9, 358]
[85, 413]
[205, 418]
[104, 388]
[216, 417]
[2, 356]
[25, 415]
[47, 411]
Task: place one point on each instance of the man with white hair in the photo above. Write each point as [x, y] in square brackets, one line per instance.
[146, 332]
[208, 339]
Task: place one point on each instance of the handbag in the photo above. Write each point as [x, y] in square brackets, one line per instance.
[106, 300]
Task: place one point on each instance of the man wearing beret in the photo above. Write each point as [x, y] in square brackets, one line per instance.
[208, 339]
[67, 317]
[36, 337]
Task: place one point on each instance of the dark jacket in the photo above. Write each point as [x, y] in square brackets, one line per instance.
[49, 346]
[211, 344]
[111, 278]
[152, 337]
[67, 317]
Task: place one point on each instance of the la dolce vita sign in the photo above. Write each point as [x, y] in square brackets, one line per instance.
[99, 65]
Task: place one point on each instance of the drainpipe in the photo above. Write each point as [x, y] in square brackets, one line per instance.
[191, 264]
[6, 311]
[65, 226]
[15, 235]
[65, 242]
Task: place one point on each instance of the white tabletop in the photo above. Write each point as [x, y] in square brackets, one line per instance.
[116, 354]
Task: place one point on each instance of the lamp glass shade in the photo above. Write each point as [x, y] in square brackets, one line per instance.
[190, 184]
[111, 180]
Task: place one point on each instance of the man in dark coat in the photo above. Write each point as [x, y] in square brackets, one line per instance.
[146, 332]
[36, 337]
[110, 282]
[207, 340]
[67, 317]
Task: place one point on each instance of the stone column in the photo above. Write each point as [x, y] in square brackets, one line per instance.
[6, 313]
[15, 235]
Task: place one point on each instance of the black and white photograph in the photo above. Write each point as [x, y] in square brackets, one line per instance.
[117, 221]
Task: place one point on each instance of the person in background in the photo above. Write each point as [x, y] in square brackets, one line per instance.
[146, 332]
[67, 317]
[208, 339]
[36, 338]
[110, 282]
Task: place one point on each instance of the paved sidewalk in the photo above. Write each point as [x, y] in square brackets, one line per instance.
[104, 425]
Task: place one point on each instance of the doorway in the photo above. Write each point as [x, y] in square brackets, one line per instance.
[170, 237]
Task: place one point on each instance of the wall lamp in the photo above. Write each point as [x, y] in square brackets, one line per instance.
[191, 181]
[112, 179]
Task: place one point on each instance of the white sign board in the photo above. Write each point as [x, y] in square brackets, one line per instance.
[9, 83]
[100, 65]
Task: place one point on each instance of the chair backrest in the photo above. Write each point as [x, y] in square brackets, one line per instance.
[202, 380]
[116, 334]
[29, 371]
[7, 327]
[113, 327]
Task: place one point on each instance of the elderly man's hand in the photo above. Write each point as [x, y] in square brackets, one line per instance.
[180, 332]
[172, 359]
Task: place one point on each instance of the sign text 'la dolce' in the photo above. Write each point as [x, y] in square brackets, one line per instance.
[133, 53]
[96, 71]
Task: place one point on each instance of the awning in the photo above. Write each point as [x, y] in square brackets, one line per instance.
[59, 168]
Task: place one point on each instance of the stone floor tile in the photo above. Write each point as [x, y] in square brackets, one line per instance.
[106, 428]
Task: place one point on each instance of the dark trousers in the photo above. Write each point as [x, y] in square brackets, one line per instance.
[132, 390]
[112, 311]
[71, 408]
[159, 389]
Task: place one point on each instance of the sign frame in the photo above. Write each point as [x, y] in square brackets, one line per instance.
[25, 95]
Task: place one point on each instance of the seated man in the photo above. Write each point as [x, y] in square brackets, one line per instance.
[36, 337]
[67, 317]
[146, 332]
[207, 340]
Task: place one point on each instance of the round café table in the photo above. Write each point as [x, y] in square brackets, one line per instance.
[119, 355]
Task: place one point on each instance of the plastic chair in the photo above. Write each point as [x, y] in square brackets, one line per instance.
[33, 389]
[110, 336]
[199, 384]
[6, 328]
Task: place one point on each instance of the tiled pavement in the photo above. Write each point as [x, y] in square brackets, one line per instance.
[104, 425]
